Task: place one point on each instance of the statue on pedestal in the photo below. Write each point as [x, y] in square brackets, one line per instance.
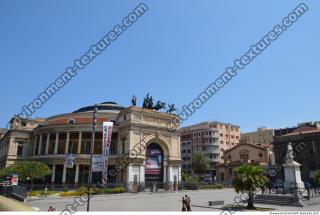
[271, 158]
[289, 155]
[292, 174]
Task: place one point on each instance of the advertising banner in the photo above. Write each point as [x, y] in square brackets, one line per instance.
[97, 163]
[106, 141]
[14, 180]
[69, 160]
[153, 161]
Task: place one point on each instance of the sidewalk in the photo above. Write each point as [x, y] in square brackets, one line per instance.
[141, 194]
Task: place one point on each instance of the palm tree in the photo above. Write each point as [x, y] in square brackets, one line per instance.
[200, 163]
[249, 178]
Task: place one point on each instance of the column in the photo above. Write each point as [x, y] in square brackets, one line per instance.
[56, 143]
[119, 144]
[129, 174]
[76, 179]
[142, 174]
[67, 143]
[53, 176]
[47, 144]
[64, 174]
[79, 142]
[170, 174]
[164, 173]
[170, 178]
[35, 145]
[40, 143]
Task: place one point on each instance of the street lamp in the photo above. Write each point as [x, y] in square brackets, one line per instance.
[94, 123]
[28, 179]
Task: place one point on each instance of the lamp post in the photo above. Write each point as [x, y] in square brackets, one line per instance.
[28, 179]
[94, 123]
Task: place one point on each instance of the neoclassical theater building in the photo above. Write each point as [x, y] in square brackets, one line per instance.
[143, 150]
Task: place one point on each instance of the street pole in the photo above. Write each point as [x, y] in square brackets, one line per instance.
[94, 122]
[314, 154]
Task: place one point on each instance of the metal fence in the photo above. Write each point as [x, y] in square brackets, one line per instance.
[18, 192]
[308, 192]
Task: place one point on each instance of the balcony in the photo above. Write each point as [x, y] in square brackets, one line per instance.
[211, 133]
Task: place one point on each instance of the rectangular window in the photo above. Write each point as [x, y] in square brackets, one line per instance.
[123, 144]
[85, 143]
[20, 148]
[43, 144]
[113, 144]
[52, 142]
[73, 143]
[62, 143]
[98, 143]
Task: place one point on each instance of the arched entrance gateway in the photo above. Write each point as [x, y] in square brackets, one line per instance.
[154, 166]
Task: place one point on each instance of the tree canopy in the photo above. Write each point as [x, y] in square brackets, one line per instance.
[200, 163]
[25, 169]
[249, 178]
[317, 177]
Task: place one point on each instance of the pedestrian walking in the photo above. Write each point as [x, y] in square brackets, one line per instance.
[51, 209]
[188, 203]
[45, 192]
[184, 208]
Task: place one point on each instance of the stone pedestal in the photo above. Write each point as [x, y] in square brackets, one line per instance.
[292, 175]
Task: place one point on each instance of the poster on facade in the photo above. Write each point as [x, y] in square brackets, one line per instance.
[153, 161]
[69, 160]
[14, 180]
[97, 163]
[106, 141]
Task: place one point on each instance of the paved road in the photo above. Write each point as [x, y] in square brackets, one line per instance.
[153, 202]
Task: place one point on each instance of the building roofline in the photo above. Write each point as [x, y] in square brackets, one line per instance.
[210, 122]
[249, 144]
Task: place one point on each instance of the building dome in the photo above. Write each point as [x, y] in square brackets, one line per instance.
[102, 107]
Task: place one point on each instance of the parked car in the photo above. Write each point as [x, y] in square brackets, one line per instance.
[207, 181]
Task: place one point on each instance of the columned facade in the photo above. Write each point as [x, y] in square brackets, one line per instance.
[131, 163]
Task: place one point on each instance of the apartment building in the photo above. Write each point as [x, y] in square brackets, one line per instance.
[212, 138]
[259, 137]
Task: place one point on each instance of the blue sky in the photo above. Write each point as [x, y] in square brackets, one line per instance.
[173, 52]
